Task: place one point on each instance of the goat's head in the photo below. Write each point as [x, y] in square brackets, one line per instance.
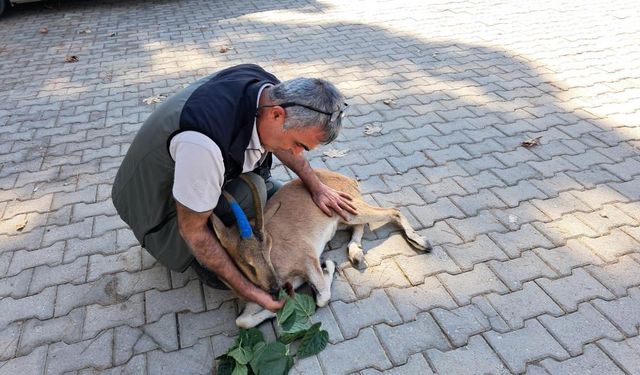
[250, 248]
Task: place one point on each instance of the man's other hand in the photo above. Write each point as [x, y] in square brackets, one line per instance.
[330, 201]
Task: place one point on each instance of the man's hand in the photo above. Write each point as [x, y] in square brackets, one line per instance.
[267, 301]
[330, 201]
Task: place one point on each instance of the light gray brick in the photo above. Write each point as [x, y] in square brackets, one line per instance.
[362, 172]
[159, 303]
[562, 230]
[416, 364]
[557, 184]
[607, 218]
[16, 286]
[36, 306]
[564, 259]
[132, 283]
[391, 246]
[618, 277]
[479, 164]
[84, 210]
[194, 326]
[475, 358]
[593, 361]
[548, 168]
[450, 139]
[99, 318]
[471, 253]
[579, 328]
[523, 191]
[137, 365]
[513, 175]
[613, 245]
[376, 308]
[623, 312]
[329, 323]
[21, 241]
[130, 261]
[632, 209]
[440, 210]
[468, 284]
[569, 291]
[36, 332]
[626, 170]
[414, 300]
[102, 291]
[9, 336]
[163, 334]
[515, 242]
[436, 174]
[473, 184]
[461, 323]
[513, 218]
[599, 196]
[593, 177]
[519, 155]
[76, 247]
[425, 333]
[23, 259]
[94, 353]
[451, 153]
[56, 233]
[338, 358]
[484, 200]
[404, 197]
[399, 181]
[628, 189]
[517, 271]
[471, 227]
[516, 307]
[416, 268]
[45, 276]
[386, 274]
[432, 192]
[309, 365]
[405, 163]
[32, 363]
[525, 345]
[86, 195]
[196, 359]
[626, 353]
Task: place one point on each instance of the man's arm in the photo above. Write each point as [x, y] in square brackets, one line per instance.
[326, 198]
[209, 252]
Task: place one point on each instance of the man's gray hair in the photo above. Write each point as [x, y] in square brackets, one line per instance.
[313, 92]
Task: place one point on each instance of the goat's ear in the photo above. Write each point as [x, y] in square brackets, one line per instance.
[225, 235]
[271, 211]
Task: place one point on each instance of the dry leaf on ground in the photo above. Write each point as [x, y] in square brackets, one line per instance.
[225, 49]
[333, 153]
[113, 34]
[85, 31]
[71, 59]
[531, 142]
[44, 30]
[154, 99]
[389, 102]
[22, 225]
[372, 130]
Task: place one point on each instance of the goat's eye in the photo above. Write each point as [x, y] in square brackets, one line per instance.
[252, 269]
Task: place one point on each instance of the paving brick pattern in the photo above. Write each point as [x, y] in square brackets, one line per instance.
[537, 251]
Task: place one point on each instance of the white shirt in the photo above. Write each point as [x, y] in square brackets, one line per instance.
[199, 169]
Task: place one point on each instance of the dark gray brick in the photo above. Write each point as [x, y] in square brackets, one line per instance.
[484, 200]
[515, 242]
[461, 323]
[416, 268]
[475, 358]
[569, 291]
[196, 359]
[415, 364]
[194, 326]
[432, 192]
[525, 268]
[429, 214]
[376, 308]
[625, 353]
[516, 307]
[482, 180]
[469, 228]
[38, 305]
[338, 358]
[94, 353]
[471, 253]
[37, 332]
[414, 300]
[159, 303]
[468, 284]
[523, 191]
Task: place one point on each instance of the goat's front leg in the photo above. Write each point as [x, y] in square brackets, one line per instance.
[321, 281]
[252, 315]
[356, 255]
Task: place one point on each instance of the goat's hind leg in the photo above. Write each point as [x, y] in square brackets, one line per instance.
[356, 255]
[369, 214]
[320, 280]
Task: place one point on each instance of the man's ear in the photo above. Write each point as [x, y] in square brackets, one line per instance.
[225, 235]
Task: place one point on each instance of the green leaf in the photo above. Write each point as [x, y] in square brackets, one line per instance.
[226, 365]
[282, 294]
[305, 304]
[250, 337]
[288, 337]
[286, 311]
[313, 342]
[295, 323]
[271, 359]
[241, 355]
[240, 370]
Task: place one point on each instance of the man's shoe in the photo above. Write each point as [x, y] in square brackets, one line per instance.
[207, 277]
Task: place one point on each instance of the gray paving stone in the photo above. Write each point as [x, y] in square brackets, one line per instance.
[36, 332]
[613, 245]
[625, 353]
[515, 242]
[516, 307]
[9, 336]
[548, 168]
[404, 197]
[593, 361]
[398, 181]
[571, 290]
[599, 196]
[475, 358]
[94, 353]
[99, 318]
[438, 173]
[564, 259]
[440, 210]
[424, 332]
[159, 303]
[77, 247]
[479, 164]
[461, 323]
[471, 227]
[137, 365]
[194, 326]
[469, 254]
[386, 274]
[44, 276]
[102, 291]
[129, 261]
[16, 286]
[607, 218]
[579, 328]
[628, 189]
[618, 277]
[517, 271]
[341, 289]
[623, 312]
[32, 363]
[431, 193]
[484, 200]
[517, 348]
[468, 284]
[36, 306]
[415, 365]
[557, 184]
[626, 169]
[152, 278]
[338, 358]
[329, 323]
[124, 339]
[23, 259]
[197, 359]
[392, 246]
[163, 333]
[416, 268]
[513, 218]
[377, 308]
[414, 300]
[483, 180]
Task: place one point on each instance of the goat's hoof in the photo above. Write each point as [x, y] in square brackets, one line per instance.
[419, 242]
[356, 255]
[329, 266]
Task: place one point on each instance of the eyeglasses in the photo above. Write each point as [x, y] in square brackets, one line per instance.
[336, 115]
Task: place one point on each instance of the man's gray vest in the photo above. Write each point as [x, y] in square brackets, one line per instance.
[223, 108]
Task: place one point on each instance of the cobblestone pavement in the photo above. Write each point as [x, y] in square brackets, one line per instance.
[536, 264]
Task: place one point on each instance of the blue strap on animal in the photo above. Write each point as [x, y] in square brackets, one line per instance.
[241, 219]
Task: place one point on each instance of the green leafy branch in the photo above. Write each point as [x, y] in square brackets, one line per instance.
[250, 354]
